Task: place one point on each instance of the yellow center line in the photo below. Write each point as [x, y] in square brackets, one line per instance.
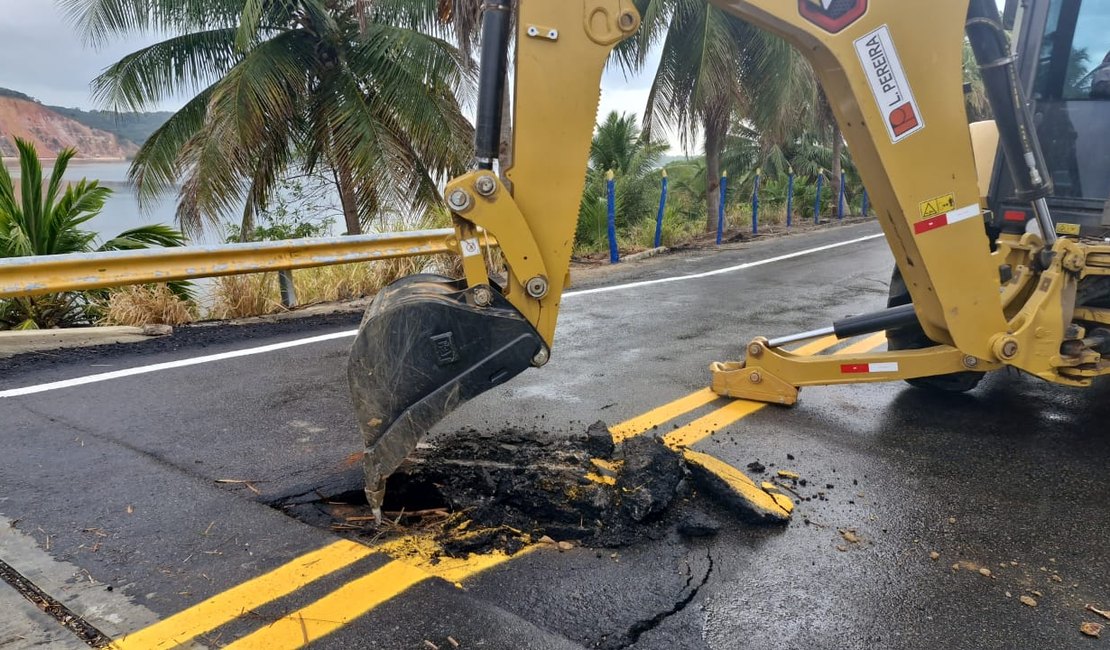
[868, 344]
[229, 605]
[707, 425]
[820, 345]
[765, 502]
[358, 597]
[653, 418]
[643, 423]
[335, 610]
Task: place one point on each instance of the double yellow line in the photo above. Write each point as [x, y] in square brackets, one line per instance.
[317, 619]
[356, 598]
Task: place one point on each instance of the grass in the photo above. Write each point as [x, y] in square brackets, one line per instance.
[151, 304]
[242, 296]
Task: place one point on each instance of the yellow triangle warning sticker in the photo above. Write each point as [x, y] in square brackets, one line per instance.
[938, 206]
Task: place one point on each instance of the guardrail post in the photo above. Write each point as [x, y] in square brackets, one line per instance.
[817, 203]
[840, 199]
[721, 209]
[288, 289]
[611, 187]
[866, 207]
[755, 204]
[790, 199]
[662, 207]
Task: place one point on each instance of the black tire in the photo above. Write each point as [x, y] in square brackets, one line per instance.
[912, 337]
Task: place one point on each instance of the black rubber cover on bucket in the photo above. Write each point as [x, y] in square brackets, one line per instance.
[421, 351]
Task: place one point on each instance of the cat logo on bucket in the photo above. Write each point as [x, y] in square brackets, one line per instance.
[832, 15]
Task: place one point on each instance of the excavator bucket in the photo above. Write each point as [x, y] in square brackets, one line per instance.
[425, 346]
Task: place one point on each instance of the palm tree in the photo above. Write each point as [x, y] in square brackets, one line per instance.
[355, 87]
[715, 67]
[619, 146]
[46, 219]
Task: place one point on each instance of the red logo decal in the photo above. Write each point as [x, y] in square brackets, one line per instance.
[832, 15]
[904, 119]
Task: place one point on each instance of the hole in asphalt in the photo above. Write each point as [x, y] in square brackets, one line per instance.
[412, 494]
[481, 491]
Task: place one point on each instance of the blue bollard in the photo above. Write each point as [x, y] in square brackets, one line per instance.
[817, 203]
[840, 200]
[866, 203]
[790, 199]
[721, 209]
[659, 219]
[755, 204]
[614, 252]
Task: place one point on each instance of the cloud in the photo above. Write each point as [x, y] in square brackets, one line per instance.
[43, 54]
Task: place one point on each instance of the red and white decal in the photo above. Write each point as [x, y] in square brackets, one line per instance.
[868, 368]
[942, 220]
[889, 84]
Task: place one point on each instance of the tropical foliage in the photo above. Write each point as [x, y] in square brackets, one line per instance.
[620, 147]
[715, 68]
[361, 89]
[47, 217]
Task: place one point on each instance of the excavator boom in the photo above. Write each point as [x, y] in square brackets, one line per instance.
[893, 73]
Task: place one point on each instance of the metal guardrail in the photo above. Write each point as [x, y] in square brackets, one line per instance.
[29, 276]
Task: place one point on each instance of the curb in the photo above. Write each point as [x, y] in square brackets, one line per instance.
[22, 341]
[645, 254]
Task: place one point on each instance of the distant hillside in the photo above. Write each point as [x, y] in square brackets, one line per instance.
[133, 127]
[50, 131]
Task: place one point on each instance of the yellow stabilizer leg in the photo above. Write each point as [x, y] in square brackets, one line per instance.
[776, 376]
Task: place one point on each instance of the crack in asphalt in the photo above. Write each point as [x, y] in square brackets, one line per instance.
[109, 439]
[643, 626]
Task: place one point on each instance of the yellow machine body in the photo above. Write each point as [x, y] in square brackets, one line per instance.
[892, 71]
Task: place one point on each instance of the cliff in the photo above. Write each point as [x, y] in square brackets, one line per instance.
[51, 132]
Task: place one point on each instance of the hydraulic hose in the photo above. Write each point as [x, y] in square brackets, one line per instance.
[1017, 135]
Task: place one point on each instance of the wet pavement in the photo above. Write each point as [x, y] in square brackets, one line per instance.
[167, 487]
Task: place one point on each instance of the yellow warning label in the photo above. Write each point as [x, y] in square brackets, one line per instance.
[940, 205]
[1067, 229]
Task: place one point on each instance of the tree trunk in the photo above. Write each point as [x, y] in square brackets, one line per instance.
[714, 142]
[837, 165]
[345, 185]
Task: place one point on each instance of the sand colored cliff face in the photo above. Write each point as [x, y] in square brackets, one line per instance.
[51, 132]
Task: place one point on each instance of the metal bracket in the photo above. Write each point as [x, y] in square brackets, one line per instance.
[492, 208]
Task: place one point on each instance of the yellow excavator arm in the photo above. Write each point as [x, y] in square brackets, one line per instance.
[892, 71]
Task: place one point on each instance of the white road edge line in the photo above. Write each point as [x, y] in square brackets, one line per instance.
[182, 363]
[730, 269]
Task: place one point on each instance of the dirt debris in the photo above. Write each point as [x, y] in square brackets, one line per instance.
[1028, 601]
[478, 492]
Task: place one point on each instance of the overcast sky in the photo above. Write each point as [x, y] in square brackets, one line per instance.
[43, 56]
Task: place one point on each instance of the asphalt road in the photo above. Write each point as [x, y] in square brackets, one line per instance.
[111, 497]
